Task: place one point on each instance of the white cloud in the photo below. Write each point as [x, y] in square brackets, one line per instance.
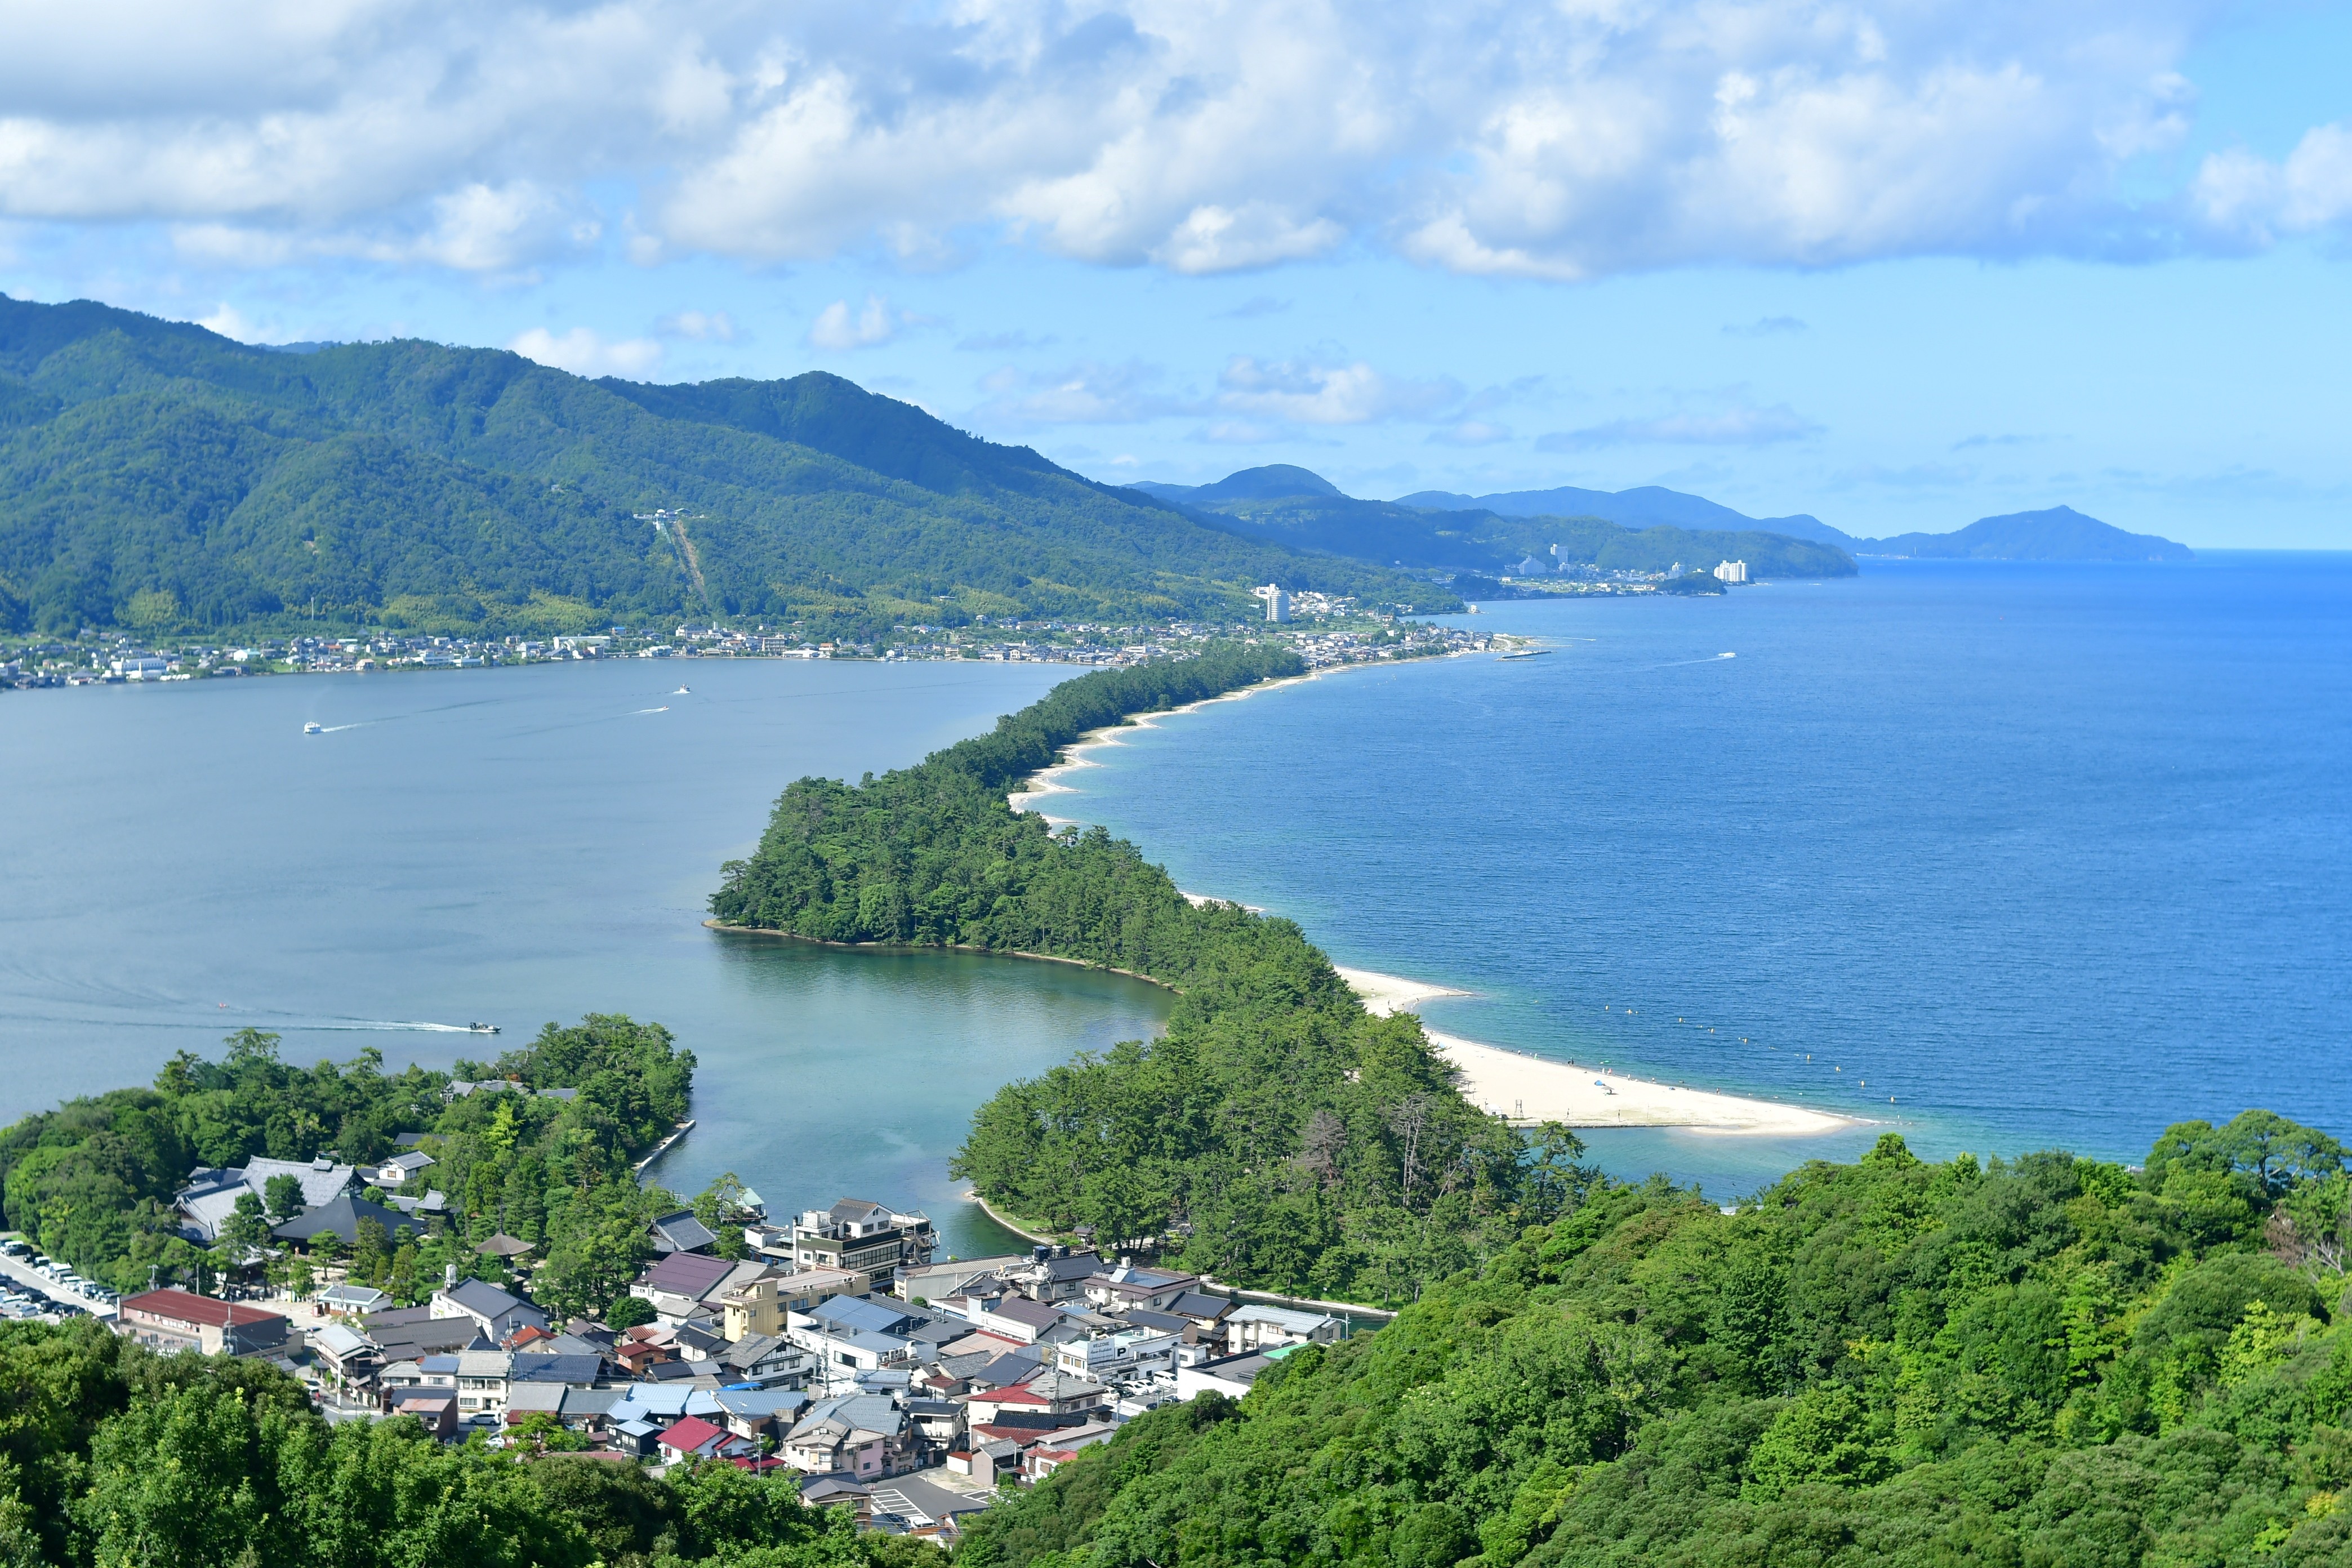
[583, 352]
[1732, 428]
[702, 327]
[2254, 200]
[1470, 433]
[231, 322]
[1558, 140]
[838, 329]
[1088, 393]
[1310, 393]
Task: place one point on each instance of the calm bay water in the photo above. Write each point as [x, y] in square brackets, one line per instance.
[2053, 855]
[515, 846]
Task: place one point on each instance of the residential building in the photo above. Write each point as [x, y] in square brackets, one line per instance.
[1045, 1457]
[1052, 1275]
[681, 1232]
[1277, 603]
[1205, 1313]
[757, 1413]
[482, 1378]
[497, 1314]
[396, 1170]
[348, 1356]
[351, 1300]
[861, 1236]
[1253, 1328]
[695, 1437]
[1731, 572]
[407, 1332]
[764, 1304]
[525, 1400]
[864, 1435]
[1229, 1375]
[684, 1284]
[1014, 1318]
[1126, 1286]
[939, 1281]
[559, 1371]
[1045, 1400]
[773, 1361]
[175, 1320]
[1128, 1351]
[436, 1408]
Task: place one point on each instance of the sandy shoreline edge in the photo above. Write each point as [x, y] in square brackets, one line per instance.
[1513, 1084]
[1047, 780]
[1528, 1088]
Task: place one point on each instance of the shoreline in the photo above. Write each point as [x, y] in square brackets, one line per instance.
[1046, 781]
[719, 925]
[1525, 1089]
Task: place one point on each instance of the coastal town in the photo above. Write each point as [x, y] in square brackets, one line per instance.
[912, 1388]
[1325, 631]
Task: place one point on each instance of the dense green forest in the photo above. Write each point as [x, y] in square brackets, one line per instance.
[115, 1457]
[2058, 534]
[2050, 1362]
[1276, 1135]
[91, 1182]
[160, 478]
[1294, 506]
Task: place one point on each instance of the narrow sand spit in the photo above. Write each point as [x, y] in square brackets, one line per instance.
[1539, 1088]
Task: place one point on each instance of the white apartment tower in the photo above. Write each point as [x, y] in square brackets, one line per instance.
[1731, 572]
[1277, 603]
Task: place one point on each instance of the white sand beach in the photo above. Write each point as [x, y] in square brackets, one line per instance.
[1049, 782]
[1538, 1088]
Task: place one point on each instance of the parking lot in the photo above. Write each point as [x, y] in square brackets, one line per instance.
[47, 1294]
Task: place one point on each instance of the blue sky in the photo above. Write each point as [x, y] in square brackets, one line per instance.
[1897, 266]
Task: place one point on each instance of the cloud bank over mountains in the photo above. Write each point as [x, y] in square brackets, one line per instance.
[1564, 140]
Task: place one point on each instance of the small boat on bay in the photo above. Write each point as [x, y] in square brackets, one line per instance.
[314, 727]
[483, 1029]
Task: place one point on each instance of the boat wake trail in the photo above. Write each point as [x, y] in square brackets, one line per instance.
[662, 709]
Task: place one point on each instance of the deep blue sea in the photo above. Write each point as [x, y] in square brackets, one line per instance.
[2053, 854]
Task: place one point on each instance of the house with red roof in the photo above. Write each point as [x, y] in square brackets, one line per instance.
[696, 1438]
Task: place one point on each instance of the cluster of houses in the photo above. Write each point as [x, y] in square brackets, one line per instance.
[837, 1345]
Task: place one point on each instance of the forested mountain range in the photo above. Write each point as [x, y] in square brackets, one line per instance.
[2055, 534]
[1645, 506]
[153, 474]
[1292, 506]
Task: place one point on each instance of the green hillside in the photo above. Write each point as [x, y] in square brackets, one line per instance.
[1292, 506]
[156, 475]
[2055, 534]
[2051, 1362]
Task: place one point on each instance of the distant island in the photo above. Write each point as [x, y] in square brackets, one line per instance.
[2057, 534]
[1476, 547]
[162, 478]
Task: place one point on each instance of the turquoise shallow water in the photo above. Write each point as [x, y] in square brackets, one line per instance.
[2053, 854]
[512, 845]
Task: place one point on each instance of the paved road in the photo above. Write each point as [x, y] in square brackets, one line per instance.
[24, 1273]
